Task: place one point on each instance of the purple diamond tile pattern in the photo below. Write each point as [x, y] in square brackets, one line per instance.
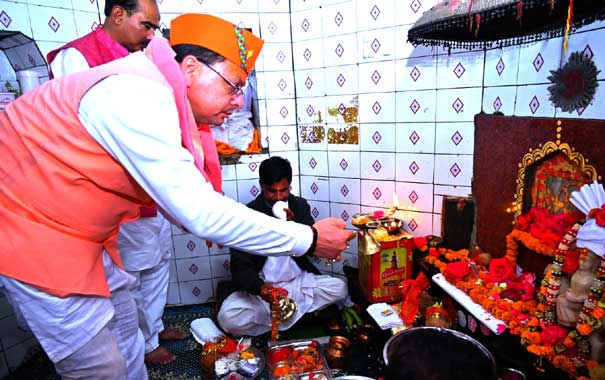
[339, 50]
[415, 74]
[414, 167]
[459, 70]
[587, 52]
[239, 1]
[285, 138]
[315, 212]
[580, 110]
[375, 12]
[305, 25]
[344, 215]
[272, 27]
[538, 62]
[252, 166]
[344, 164]
[376, 166]
[376, 108]
[377, 193]
[193, 268]
[455, 170]
[282, 84]
[375, 45]
[254, 190]
[497, 104]
[500, 67]
[414, 137]
[413, 225]
[415, 5]
[280, 56]
[312, 163]
[310, 110]
[283, 112]
[276, 2]
[534, 104]
[376, 137]
[456, 138]
[54, 24]
[413, 197]
[196, 291]
[307, 54]
[314, 187]
[92, 1]
[190, 246]
[342, 109]
[94, 25]
[227, 264]
[340, 80]
[338, 19]
[308, 83]
[344, 190]
[376, 77]
[458, 105]
[415, 106]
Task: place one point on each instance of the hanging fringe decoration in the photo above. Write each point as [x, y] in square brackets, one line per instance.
[519, 12]
[470, 16]
[478, 22]
[568, 27]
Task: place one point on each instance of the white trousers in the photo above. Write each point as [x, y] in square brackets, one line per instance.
[243, 313]
[149, 292]
[146, 247]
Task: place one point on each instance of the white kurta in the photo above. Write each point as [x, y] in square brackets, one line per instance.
[145, 244]
[136, 121]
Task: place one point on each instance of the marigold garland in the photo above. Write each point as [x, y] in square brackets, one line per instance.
[527, 240]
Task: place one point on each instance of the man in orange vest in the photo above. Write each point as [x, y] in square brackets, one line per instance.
[145, 244]
[82, 153]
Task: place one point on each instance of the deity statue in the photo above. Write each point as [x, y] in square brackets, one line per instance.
[590, 199]
[571, 301]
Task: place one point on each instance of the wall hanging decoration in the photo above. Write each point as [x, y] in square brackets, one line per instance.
[474, 24]
[574, 84]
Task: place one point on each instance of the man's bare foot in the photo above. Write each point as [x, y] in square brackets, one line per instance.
[159, 356]
[172, 334]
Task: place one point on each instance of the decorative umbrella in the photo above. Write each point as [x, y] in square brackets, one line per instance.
[483, 23]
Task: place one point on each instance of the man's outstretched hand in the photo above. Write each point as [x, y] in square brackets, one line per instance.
[332, 238]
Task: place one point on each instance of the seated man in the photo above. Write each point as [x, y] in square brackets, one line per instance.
[247, 310]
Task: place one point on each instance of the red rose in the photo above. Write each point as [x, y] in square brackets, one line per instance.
[456, 271]
[570, 263]
[552, 335]
[501, 270]
[523, 222]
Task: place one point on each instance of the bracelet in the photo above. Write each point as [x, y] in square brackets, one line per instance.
[314, 243]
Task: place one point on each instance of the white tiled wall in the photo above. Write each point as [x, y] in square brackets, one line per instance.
[415, 111]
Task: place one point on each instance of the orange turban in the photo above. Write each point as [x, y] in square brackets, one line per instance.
[222, 37]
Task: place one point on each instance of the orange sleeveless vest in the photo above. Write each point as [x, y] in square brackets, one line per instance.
[62, 196]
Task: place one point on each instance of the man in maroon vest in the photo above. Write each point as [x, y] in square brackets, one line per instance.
[145, 244]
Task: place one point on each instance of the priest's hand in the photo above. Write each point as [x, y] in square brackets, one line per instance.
[332, 238]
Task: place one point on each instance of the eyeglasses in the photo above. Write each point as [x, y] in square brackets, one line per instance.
[235, 89]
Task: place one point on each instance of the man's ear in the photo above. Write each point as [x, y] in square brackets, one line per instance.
[118, 14]
[190, 67]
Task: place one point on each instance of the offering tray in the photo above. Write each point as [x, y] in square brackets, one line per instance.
[246, 364]
[297, 360]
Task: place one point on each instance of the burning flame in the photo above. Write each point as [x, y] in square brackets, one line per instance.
[395, 200]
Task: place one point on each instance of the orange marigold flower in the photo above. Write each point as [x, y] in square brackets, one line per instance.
[584, 329]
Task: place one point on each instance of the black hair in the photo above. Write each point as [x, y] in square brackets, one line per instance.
[438, 354]
[201, 53]
[130, 6]
[274, 169]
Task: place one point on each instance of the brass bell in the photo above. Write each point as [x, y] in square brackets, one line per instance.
[286, 309]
